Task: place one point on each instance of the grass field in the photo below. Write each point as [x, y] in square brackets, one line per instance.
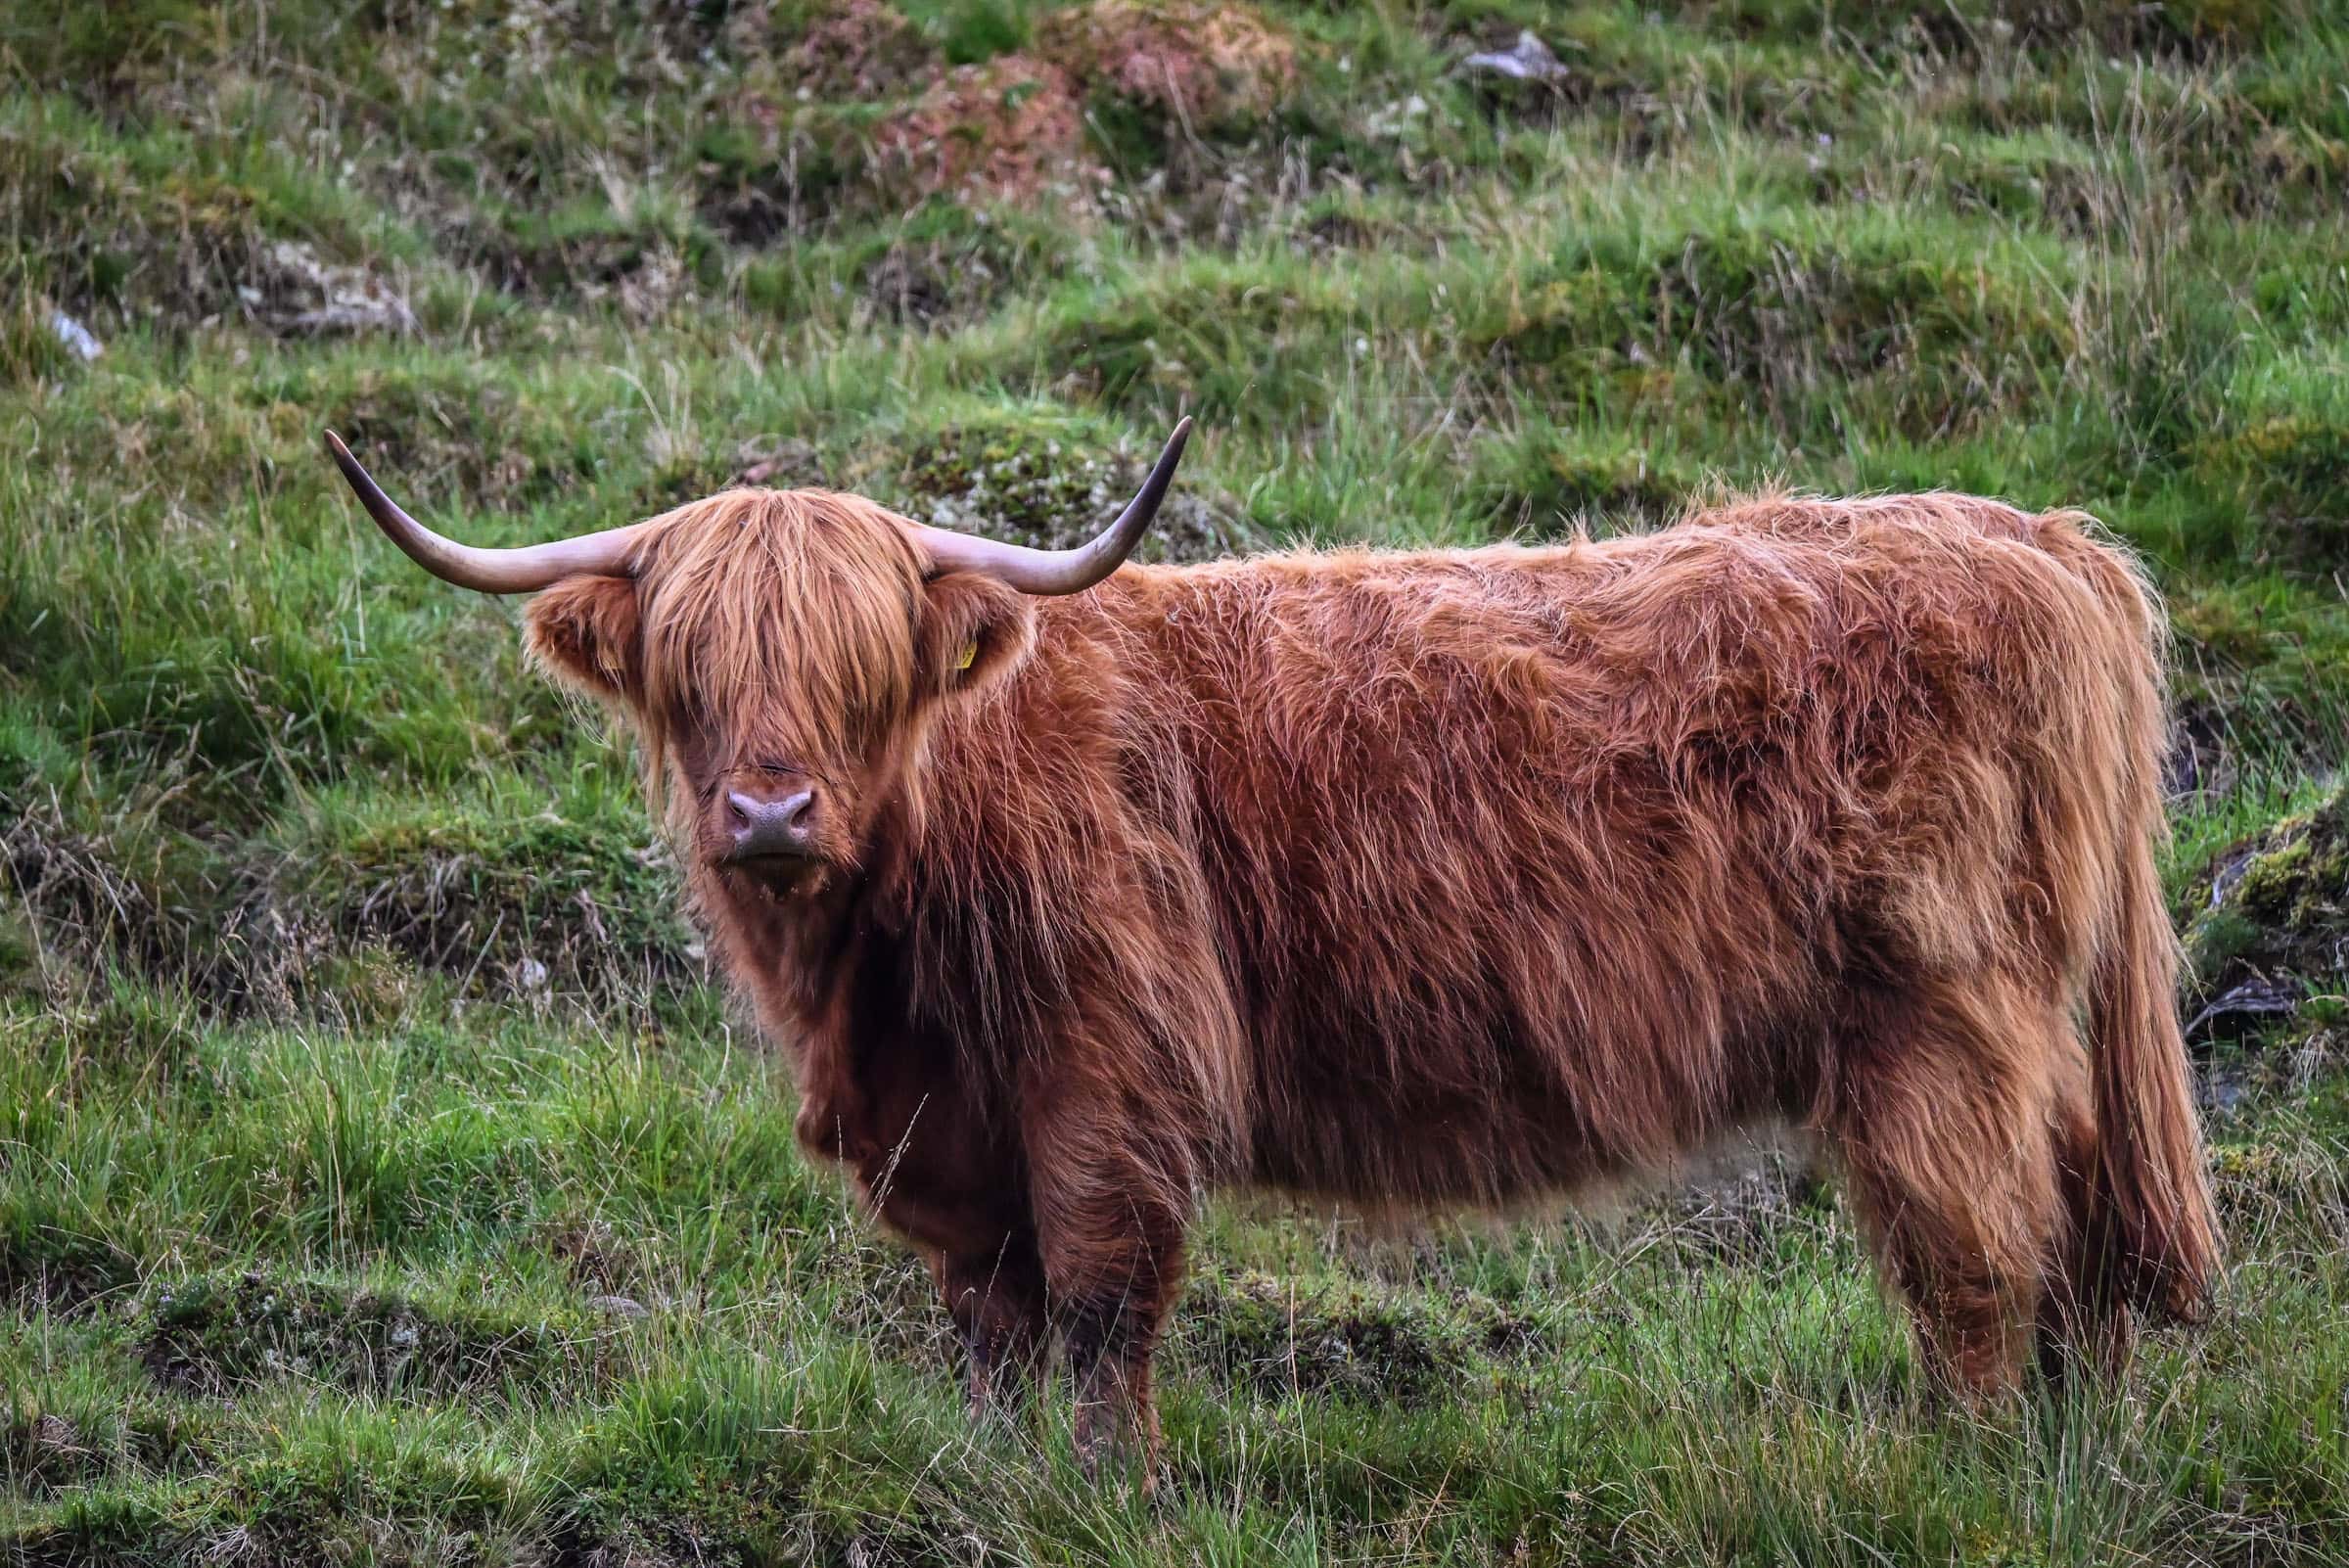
[383, 1177]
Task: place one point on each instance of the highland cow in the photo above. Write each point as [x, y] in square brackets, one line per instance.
[1421, 880]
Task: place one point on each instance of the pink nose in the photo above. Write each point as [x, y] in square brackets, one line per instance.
[765, 829]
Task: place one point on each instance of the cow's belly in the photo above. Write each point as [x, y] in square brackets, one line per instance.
[1429, 1155]
[1486, 1121]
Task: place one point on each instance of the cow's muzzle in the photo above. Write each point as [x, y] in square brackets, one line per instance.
[771, 833]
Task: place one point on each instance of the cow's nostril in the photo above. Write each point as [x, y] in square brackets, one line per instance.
[740, 807]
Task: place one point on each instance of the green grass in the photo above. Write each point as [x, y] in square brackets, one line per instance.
[382, 1178]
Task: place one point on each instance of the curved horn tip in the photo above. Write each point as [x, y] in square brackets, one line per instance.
[349, 465]
[1069, 571]
[341, 453]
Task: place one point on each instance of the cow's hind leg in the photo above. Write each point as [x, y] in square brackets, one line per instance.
[1941, 1117]
[2083, 1321]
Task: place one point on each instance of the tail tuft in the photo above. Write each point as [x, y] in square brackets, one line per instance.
[2160, 1230]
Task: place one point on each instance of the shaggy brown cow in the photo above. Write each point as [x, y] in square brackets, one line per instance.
[1424, 879]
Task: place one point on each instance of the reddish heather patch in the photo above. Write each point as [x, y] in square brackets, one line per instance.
[1014, 127]
[1206, 64]
[859, 48]
[1011, 129]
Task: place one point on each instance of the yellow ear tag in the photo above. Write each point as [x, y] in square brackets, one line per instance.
[970, 651]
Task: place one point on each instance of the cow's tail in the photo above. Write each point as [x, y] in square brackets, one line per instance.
[2162, 1232]
[2154, 1224]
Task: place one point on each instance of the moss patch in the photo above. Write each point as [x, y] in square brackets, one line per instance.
[1271, 1338]
[1865, 317]
[213, 1337]
[2274, 927]
[1031, 488]
[504, 901]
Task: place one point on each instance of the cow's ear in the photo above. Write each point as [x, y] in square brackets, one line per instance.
[974, 631]
[585, 632]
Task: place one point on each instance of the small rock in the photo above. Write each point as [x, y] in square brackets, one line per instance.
[2255, 998]
[1530, 61]
[300, 291]
[530, 975]
[619, 1307]
[78, 340]
[2225, 1090]
[783, 464]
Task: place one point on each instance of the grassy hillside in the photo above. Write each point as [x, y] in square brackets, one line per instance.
[382, 1178]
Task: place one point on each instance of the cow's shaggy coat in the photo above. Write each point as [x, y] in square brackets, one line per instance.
[1445, 878]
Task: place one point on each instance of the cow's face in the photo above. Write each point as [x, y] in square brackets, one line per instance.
[779, 652]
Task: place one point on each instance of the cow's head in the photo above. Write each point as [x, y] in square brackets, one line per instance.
[778, 650]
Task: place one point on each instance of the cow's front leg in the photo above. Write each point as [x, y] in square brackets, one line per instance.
[1110, 1346]
[996, 1298]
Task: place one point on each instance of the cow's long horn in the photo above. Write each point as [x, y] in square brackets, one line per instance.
[1071, 571]
[519, 570]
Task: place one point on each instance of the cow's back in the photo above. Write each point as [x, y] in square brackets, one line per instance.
[1515, 867]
